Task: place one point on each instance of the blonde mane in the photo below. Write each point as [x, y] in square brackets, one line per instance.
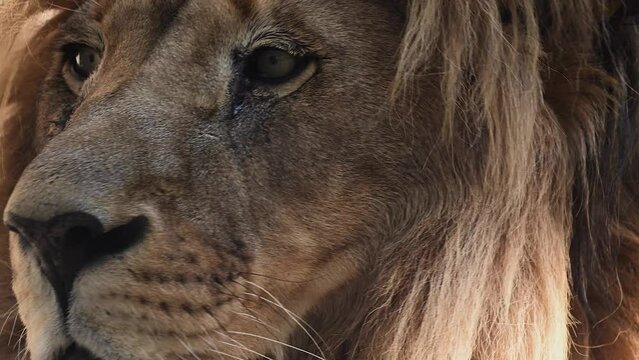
[530, 248]
[540, 256]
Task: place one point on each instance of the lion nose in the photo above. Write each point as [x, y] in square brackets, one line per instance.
[68, 243]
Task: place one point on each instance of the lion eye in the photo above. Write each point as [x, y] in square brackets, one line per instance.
[83, 61]
[275, 66]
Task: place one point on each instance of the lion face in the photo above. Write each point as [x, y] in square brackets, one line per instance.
[208, 173]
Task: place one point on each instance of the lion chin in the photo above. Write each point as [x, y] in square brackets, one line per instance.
[303, 179]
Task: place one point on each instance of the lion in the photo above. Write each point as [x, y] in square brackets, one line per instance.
[301, 179]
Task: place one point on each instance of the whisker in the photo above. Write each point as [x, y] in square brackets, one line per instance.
[294, 317]
[287, 312]
[13, 328]
[301, 320]
[207, 341]
[245, 348]
[63, 8]
[278, 279]
[242, 346]
[241, 301]
[19, 343]
[214, 346]
[216, 351]
[224, 354]
[277, 342]
[23, 354]
[11, 313]
[188, 348]
[254, 318]
[11, 310]
[5, 264]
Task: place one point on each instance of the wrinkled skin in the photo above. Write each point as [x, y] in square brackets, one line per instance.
[249, 192]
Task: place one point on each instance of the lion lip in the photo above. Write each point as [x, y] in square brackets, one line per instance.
[75, 352]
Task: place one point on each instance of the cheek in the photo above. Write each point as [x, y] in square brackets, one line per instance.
[307, 256]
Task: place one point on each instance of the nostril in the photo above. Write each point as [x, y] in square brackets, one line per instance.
[118, 239]
[74, 352]
[73, 241]
[67, 231]
[77, 234]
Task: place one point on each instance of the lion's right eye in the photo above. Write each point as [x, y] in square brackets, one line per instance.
[274, 66]
[83, 61]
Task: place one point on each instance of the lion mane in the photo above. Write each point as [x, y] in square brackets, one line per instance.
[537, 228]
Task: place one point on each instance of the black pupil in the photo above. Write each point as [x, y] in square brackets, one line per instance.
[85, 62]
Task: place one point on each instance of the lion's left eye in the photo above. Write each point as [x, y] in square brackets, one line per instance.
[275, 66]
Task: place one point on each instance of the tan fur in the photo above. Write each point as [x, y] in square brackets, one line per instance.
[499, 228]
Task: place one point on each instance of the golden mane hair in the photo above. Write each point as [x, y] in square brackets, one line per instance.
[537, 254]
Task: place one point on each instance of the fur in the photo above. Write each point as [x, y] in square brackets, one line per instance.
[518, 234]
